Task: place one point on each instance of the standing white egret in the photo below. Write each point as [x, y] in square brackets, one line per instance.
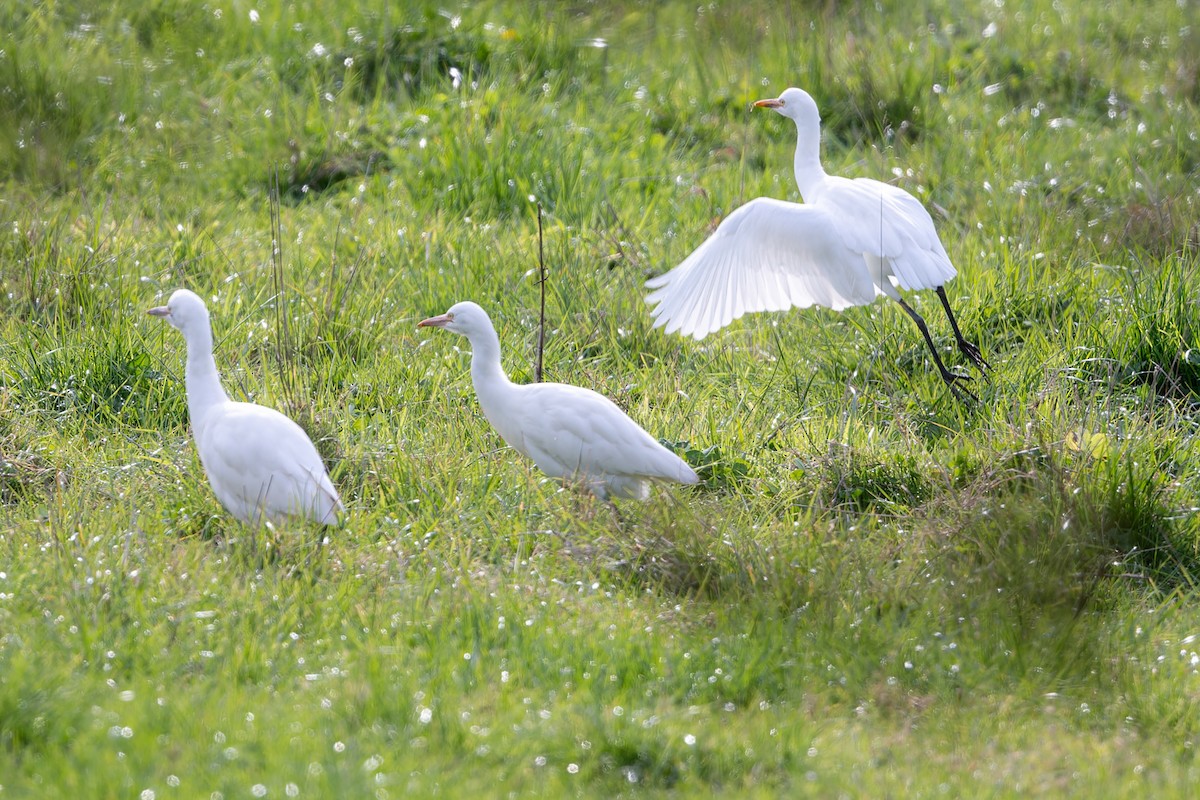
[571, 433]
[261, 465]
[849, 242]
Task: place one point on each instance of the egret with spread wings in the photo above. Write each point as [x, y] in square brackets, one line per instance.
[850, 241]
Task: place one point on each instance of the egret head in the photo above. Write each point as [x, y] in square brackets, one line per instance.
[185, 311]
[464, 318]
[795, 104]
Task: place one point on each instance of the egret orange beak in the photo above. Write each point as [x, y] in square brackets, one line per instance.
[436, 322]
[160, 311]
[772, 103]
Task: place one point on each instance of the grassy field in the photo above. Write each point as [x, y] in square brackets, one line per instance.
[876, 591]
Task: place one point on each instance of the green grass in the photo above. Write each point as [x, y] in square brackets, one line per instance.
[876, 590]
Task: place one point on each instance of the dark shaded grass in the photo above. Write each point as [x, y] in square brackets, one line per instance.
[1158, 316]
[421, 46]
[108, 381]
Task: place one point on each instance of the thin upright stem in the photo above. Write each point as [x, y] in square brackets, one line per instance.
[541, 346]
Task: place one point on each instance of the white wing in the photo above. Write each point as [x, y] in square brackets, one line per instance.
[890, 228]
[259, 463]
[768, 255]
[570, 431]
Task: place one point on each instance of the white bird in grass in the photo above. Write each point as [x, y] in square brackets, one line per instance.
[571, 433]
[261, 465]
[849, 242]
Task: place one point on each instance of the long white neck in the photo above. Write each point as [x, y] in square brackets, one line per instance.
[810, 175]
[203, 383]
[492, 386]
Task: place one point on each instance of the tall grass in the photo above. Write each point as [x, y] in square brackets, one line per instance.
[876, 590]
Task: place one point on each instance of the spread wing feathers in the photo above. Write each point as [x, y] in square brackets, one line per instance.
[884, 221]
[768, 255]
[263, 463]
[570, 431]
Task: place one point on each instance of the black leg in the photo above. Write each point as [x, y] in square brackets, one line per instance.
[949, 377]
[969, 350]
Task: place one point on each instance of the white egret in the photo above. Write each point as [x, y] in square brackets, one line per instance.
[571, 433]
[849, 242]
[261, 465]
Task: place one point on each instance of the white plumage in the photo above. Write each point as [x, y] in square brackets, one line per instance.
[261, 465]
[848, 243]
[571, 433]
